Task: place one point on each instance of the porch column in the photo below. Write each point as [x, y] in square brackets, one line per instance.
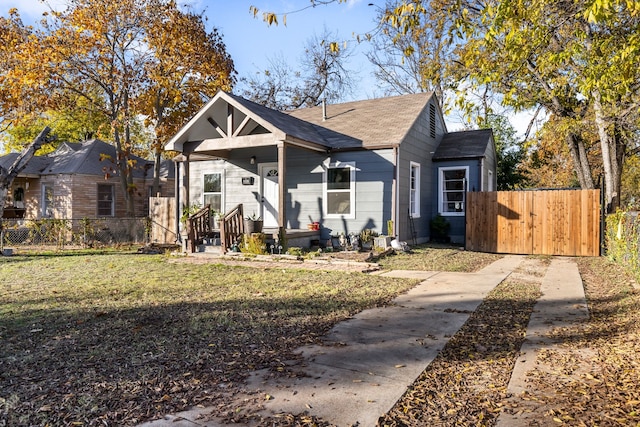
[282, 188]
[185, 182]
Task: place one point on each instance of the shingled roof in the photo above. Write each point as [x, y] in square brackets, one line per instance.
[373, 123]
[468, 144]
[378, 123]
[81, 159]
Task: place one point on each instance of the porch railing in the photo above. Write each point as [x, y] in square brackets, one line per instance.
[231, 228]
[199, 227]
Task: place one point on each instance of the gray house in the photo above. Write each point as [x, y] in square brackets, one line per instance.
[384, 164]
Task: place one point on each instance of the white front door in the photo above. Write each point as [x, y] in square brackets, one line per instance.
[270, 194]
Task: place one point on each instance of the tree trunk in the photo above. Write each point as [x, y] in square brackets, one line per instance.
[612, 156]
[580, 160]
[156, 173]
[122, 163]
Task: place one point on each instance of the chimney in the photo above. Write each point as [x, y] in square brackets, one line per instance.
[324, 109]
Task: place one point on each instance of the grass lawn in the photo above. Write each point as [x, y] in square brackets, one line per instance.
[435, 257]
[119, 338]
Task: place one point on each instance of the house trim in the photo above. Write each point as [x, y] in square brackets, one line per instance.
[351, 190]
[415, 213]
[441, 171]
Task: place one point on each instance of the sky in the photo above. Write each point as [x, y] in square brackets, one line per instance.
[252, 43]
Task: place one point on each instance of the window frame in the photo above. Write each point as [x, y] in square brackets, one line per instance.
[47, 204]
[441, 190]
[351, 190]
[414, 192]
[221, 192]
[113, 200]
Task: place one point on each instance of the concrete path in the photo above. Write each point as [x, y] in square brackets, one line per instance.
[561, 305]
[366, 363]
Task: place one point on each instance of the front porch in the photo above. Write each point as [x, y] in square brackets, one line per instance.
[294, 238]
[204, 236]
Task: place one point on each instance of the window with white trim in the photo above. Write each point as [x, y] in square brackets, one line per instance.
[106, 200]
[212, 191]
[414, 190]
[47, 200]
[452, 188]
[339, 190]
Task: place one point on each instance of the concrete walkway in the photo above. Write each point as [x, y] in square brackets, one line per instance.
[562, 304]
[366, 363]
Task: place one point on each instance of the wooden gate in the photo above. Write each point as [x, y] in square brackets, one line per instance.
[162, 211]
[546, 222]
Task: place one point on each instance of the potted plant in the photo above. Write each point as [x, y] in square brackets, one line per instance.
[253, 224]
[367, 236]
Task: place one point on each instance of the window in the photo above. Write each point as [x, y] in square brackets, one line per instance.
[106, 199]
[47, 200]
[212, 191]
[453, 184]
[490, 186]
[414, 190]
[340, 190]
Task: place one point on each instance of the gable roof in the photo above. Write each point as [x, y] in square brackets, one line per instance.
[468, 144]
[379, 122]
[249, 118]
[374, 123]
[81, 158]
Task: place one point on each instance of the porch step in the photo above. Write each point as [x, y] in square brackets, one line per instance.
[210, 249]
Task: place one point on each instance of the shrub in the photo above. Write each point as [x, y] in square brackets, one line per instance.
[622, 236]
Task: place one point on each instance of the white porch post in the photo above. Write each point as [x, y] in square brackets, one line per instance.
[185, 182]
[282, 189]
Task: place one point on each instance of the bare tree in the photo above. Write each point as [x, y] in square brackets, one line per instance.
[321, 75]
[416, 60]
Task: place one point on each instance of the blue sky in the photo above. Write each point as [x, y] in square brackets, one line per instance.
[251, 42]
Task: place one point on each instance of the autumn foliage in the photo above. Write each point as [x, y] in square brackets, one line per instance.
[122, 60]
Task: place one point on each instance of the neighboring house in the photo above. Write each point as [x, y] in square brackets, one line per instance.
[79, 180]
[349, 167]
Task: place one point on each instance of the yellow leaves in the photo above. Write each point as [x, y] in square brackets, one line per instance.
[269, 17]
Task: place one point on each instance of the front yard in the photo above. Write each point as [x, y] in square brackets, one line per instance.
[115, 339]
[120, 338]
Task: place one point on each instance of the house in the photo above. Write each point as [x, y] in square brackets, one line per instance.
[79, 180]
[384, 164]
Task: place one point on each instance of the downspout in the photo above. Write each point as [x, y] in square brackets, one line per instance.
[394, 191]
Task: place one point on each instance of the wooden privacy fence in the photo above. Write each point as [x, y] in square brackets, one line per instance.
[545, 222]
[162, 211]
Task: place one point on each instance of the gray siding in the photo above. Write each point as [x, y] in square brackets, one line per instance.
[304, 181]
[374, 180]
[489, 165]
[418, 147]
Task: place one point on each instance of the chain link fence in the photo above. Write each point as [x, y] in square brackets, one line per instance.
[85, 232]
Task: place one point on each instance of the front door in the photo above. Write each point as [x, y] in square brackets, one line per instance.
[270, 194]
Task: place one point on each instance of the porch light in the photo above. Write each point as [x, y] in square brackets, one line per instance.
[252, 160]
